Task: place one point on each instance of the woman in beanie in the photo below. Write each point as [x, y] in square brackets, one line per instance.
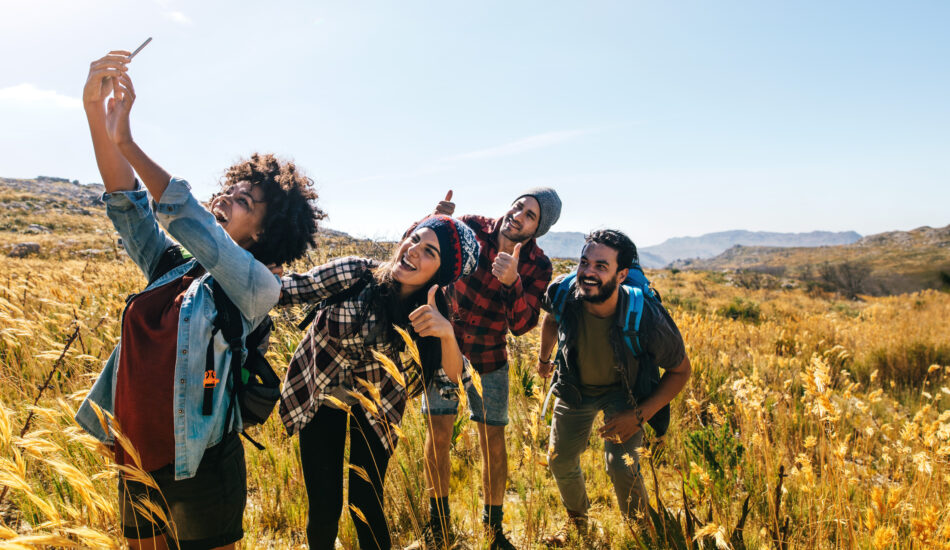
[335, 372]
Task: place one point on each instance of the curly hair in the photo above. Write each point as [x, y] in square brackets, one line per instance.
[626, 251]
[290, 222]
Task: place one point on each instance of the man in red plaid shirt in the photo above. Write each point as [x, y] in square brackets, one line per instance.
[503, 294]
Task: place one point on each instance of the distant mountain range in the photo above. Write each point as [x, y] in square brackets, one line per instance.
[569, 244]
[58, 217]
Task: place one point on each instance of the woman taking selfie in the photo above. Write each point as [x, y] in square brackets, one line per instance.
[334, 372]
[178, 417]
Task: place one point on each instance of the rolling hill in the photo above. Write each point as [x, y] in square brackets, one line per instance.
[58, 218]
[886, 263]
[49, 217]
[569, 244]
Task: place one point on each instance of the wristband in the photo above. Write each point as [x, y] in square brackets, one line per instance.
[543, 362]
[636, 411]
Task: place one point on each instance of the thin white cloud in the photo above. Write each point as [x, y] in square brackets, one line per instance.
[28, 95]
[434, 168]
[516, 147]
[178, 17]
[519, 146]
[174, 16]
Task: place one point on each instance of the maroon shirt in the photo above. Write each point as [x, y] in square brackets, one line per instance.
[486, 309]
[145, 382]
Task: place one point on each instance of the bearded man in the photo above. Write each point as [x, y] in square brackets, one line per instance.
[597, 372]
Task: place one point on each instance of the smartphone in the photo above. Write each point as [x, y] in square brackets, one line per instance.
[137, 50]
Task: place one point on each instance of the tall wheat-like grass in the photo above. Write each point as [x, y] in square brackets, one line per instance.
[845, 403]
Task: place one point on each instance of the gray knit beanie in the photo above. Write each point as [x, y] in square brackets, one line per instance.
[550, 207]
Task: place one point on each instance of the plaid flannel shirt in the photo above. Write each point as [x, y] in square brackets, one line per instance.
[337, 351]
[485, 309]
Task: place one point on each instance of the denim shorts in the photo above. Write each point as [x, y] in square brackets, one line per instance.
[206, 510]
[490, 408]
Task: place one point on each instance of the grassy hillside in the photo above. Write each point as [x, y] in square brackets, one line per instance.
[828, 418]
[887, 263]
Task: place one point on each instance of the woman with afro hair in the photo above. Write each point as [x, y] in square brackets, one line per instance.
[178, 419]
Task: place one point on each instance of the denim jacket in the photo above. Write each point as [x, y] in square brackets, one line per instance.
[249, 284]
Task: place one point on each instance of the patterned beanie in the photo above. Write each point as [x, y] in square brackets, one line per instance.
[457, 245]
[550, 205]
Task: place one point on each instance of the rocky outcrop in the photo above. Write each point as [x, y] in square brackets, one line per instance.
[22, 250]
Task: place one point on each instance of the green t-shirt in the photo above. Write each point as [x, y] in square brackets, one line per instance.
[595, 356]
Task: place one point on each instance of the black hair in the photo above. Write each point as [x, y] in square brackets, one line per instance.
[290, 222]
[627, 255]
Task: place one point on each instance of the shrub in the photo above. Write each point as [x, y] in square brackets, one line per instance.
[741, 310]
[907, 365]
[846, 278]
[719, 450]
[688, 303]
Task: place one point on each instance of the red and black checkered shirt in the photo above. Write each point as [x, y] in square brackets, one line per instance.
[486, 309]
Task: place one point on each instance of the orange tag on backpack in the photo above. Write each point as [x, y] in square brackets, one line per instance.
[211, 379]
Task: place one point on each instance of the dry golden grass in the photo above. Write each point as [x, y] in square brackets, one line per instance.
[849, 399]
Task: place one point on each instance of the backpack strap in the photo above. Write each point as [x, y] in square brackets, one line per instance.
[228, 322]
[210, 377]
[631, 320]
[334, 299]
[172, 257]
[560, 295]
[254, 339]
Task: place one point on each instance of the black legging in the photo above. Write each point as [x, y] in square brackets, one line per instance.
[321, 455]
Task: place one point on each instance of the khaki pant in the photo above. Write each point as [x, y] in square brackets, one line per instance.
[570, 432]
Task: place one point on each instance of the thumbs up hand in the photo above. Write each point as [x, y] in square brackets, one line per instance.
[505, 266]
[446, 207]
[427, 321]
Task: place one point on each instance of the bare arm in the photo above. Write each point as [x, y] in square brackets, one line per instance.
[153, 176]
[115, 170]
[452, 358]
[548, 340]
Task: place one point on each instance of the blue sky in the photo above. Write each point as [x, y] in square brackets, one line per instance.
[659, 118]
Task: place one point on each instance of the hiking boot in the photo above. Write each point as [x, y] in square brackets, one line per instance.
[575, 524]
[498, 540]
[433, 538]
